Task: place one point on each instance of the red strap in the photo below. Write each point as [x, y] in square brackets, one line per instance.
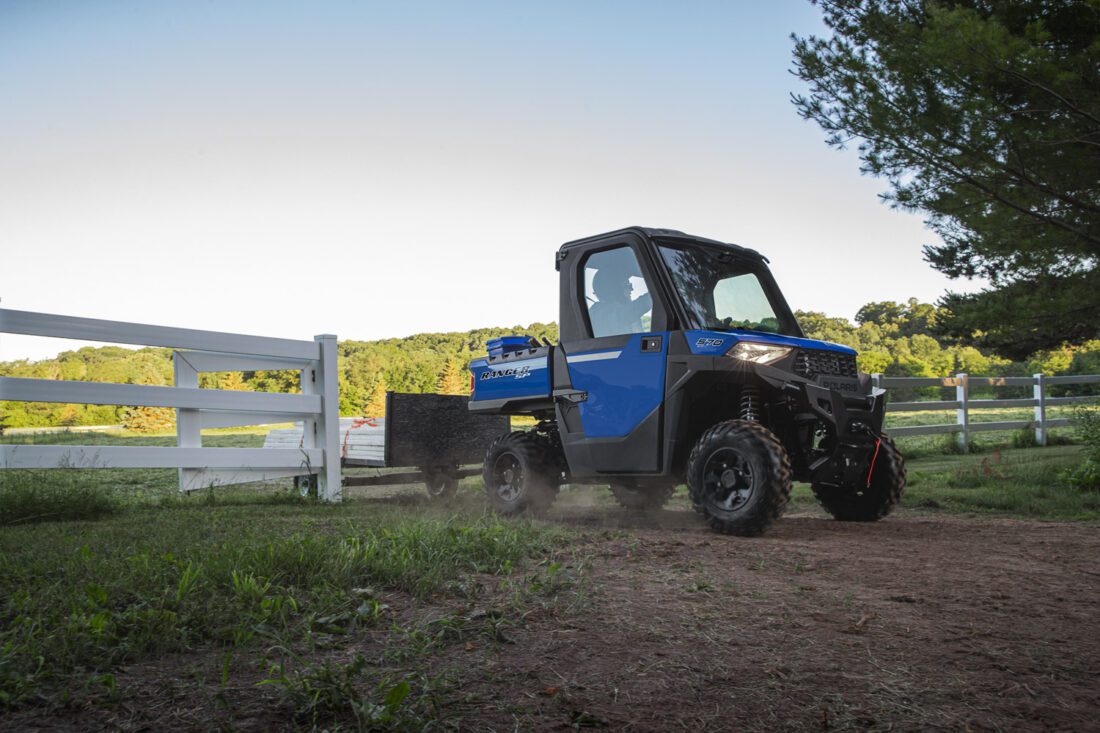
[874, 458]
[368, 421]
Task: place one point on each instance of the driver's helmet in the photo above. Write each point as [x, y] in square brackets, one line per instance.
[612, 281]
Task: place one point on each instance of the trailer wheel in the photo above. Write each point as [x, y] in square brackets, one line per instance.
[517, 475]
[646, 498]
[873, 502]
[739, 477]
[306, 485]
[440, 485]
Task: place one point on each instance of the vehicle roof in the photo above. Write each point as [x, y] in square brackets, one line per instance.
[665, 234]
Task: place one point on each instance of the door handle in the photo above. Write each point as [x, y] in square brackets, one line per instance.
[651, 344]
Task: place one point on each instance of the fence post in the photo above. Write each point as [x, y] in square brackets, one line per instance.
[1040, 409]
[876, 381]
[308, 379]
[328, 423]
[962, 415]
[188, 426]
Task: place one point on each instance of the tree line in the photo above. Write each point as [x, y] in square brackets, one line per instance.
[897, 339]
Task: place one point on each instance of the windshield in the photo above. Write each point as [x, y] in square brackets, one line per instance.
[721, 290]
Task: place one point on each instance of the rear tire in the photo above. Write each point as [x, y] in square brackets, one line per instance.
[518, 475]
[646, 498]
[739, 477]
[868, 503]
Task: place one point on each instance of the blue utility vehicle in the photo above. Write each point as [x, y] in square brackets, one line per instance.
[681, 362]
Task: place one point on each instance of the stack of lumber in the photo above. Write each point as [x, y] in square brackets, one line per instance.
[362, 440]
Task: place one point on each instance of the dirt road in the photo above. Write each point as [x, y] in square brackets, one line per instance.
[913, 623]
[910, 623]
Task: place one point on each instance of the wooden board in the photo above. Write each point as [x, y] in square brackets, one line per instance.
[362, 441]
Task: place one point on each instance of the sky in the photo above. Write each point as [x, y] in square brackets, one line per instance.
[376, 170]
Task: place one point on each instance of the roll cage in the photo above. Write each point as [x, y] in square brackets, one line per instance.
[669, 310]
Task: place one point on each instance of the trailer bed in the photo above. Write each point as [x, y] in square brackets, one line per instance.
[425, 431]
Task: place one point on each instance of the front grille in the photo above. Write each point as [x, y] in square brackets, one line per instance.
[810, 364]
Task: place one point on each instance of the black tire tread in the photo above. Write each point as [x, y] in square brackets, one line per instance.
[871, 505]
[541, 483]
[777, 484]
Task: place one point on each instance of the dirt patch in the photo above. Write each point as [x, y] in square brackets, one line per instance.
[912, 623]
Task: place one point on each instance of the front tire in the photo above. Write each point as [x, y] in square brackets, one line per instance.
[517, 474]
[868, 503]
[739, 477]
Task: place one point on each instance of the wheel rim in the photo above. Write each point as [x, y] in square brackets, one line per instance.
[436, 484]
[727, 480]
[507, 477]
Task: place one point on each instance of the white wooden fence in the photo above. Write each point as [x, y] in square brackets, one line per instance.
[198, 351]
[963, 405]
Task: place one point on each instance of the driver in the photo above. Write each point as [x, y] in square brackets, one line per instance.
[616, 310]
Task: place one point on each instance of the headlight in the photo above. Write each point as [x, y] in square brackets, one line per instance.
[758, 353]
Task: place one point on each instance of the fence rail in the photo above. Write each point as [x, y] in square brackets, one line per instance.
[963, 405]
[195, 352]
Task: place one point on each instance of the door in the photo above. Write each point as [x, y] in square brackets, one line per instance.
[617, 372]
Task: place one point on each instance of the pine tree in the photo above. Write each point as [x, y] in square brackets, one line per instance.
[69, 416]
[233, 381]
[149, 419]
[376, 405]
[984, 116]
[453, 380]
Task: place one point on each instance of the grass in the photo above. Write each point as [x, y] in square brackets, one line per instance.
[48, 494]
[1019, 483]
[922, 445]
[103, 568]
[82, 598]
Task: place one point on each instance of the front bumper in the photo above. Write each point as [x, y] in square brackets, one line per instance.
[854, 415]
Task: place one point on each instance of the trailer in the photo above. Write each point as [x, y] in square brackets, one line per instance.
[435, 437]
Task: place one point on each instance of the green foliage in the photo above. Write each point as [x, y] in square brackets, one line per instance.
[331, 690]
[78, 601]
[232, 381]
[35, 496]
[985, 116]
[1087, 475]
[453, 380]
[149, 419]
[376, 403]
[1016, 483]
[894, 339]
[891, 338]
[414, 364]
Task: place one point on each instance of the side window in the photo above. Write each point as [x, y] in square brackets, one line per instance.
[616, 293]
